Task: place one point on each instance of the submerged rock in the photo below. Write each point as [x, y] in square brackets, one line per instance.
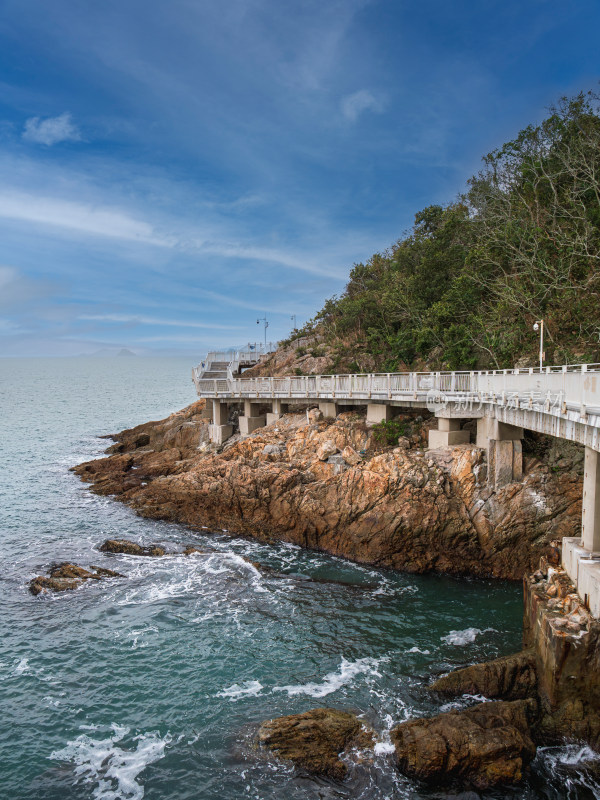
[66, 577]
[510, 678]
[131, 548]
[315, 739]
[487, 745]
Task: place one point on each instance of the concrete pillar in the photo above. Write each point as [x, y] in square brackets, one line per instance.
[250, 424]
[590, 518]
[251, 409]
[219, 433]
[251, 419]
[328, 409]
[448, 434]
[279, 408]
[220, 412]
[378, 412]
[490, 428]
[504, 450]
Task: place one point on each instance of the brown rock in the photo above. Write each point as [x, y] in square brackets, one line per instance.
[397, 510]
[131, 548]
[315, 739]
[327, 449]
[510, 678]
[486, 745]
[66, 577]
[350, 456]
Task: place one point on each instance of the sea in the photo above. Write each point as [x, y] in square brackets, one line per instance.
[153, 685]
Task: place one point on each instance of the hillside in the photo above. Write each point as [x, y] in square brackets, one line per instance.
[464, 287]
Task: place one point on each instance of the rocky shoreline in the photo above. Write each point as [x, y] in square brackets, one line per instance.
[327, 484]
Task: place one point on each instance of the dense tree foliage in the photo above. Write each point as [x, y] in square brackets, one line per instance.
[463, 288]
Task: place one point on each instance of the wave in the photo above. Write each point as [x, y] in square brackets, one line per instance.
[246, 689]
[467, 636]
[112, 768]
[335, 680]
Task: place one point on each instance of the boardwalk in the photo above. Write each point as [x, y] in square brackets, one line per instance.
[561, 401]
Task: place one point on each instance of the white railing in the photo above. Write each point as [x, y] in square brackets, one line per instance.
[564, 387]
[248, 356]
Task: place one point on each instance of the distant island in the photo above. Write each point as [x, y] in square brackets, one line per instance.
[108, 353]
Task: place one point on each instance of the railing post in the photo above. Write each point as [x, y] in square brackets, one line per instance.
[389, 386]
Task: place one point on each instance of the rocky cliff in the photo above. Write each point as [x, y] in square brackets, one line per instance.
[326, 484]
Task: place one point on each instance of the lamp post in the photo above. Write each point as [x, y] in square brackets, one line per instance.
[266, 324]
[293, 318]
[538, 325]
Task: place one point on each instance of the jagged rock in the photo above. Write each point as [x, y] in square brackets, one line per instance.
[66, 577]
[131, 548]
[510, 678]
[315, 739]
[190, 551]
[272, 449]
[350, 456]
[314, 415]
[326, 450]
[395, 510]
[487, 745]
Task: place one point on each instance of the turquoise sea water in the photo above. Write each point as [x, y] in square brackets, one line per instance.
[153, 685]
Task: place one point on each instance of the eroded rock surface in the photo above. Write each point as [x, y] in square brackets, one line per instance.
[511, 677]
[404, 508]
[315, 739]
[487, 745]
[66, 577]
[131, 548]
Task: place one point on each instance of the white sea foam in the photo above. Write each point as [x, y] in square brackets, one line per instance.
[467, 636]
[382, 748]
[335, 680]
[246, 689]
[22, 666]
[112, 768]
[418, 650]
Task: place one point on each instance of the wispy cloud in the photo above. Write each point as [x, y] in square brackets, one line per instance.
[135, 319]
[51, 130]
[353, 105]
[80, 217]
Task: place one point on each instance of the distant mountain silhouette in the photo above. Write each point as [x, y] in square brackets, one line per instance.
[107, 353]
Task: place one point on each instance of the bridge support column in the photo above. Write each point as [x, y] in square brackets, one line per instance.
[504, 451]
[251, 419]
[590, 517]
[219, 431]
[378, 412]
[448, 434]
[279, 408]
[328, 409]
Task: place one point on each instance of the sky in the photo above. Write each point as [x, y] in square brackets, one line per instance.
[170, 172]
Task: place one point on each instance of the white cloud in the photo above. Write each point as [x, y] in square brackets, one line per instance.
[51, 130]
[142, 320]
[83, 218]
[353, 105]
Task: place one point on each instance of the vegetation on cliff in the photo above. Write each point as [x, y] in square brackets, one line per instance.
[463, 288]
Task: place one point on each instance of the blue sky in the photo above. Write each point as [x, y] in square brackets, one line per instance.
[170, 171]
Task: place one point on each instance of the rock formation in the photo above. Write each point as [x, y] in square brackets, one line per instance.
[486, 745]
[66, 577]
[315, 740]
[400, 507]
[131, 548]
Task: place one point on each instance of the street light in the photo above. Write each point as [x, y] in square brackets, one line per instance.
[293, 318]
[538, 325]
[266, 324]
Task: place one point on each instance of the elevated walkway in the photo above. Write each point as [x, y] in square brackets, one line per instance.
[561, 401]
